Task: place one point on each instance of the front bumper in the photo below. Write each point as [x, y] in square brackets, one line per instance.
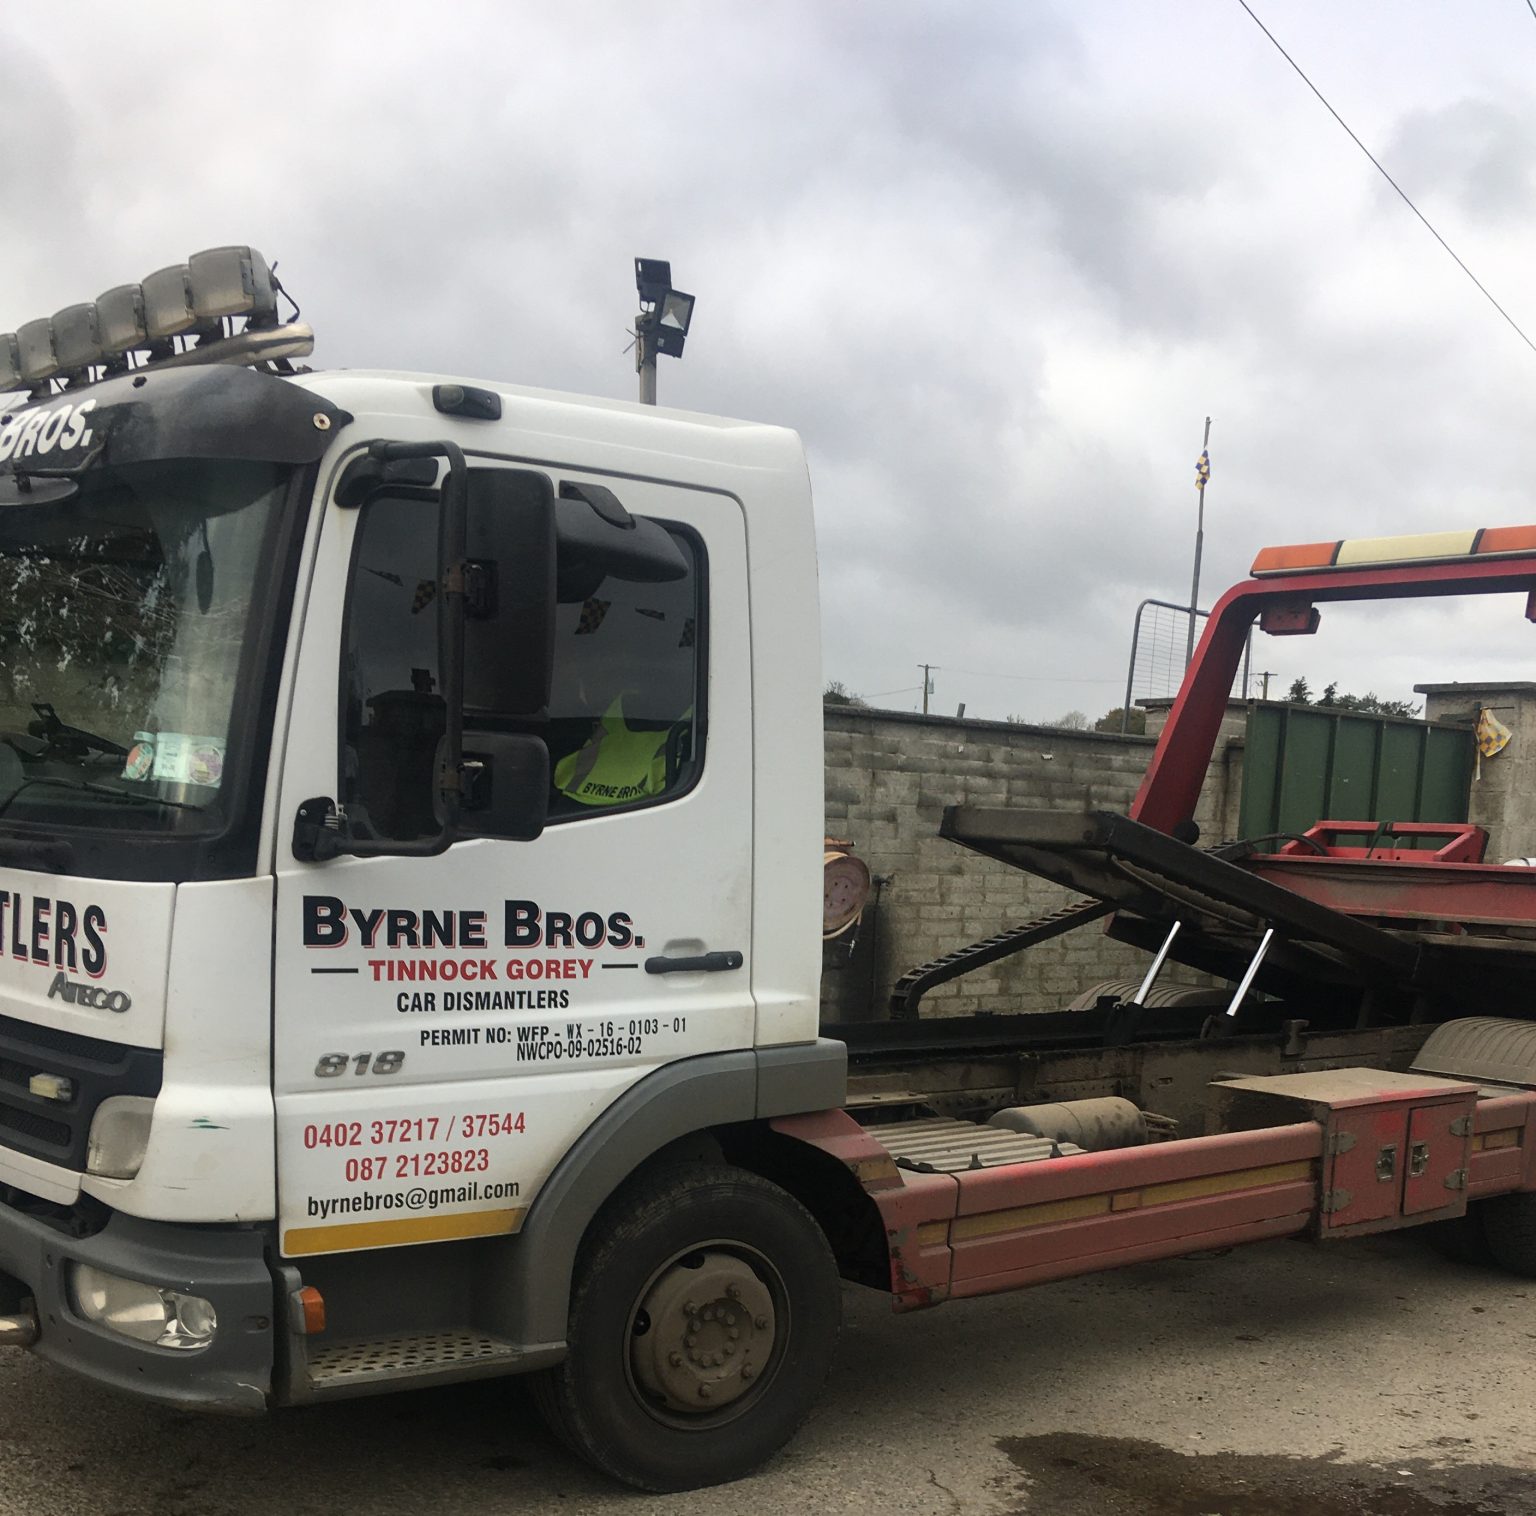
[227, 1266]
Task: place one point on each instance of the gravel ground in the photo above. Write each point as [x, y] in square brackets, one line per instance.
[1362, 1379]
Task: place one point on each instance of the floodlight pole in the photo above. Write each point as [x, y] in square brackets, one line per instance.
[1194, 590]
[645, 356]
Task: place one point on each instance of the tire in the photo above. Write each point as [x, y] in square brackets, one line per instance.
[1509, 1222]
[1463, 1239]
[704, 1315]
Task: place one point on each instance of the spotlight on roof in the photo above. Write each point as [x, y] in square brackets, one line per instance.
[663, 322]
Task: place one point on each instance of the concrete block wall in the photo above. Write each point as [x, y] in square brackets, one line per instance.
[889, 776]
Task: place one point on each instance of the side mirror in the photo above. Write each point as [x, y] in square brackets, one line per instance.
[505, 788]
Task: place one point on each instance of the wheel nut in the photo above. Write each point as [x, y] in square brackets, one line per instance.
[735, 1333]
[747, 1371]
[675, 1359]
[704, 1392]
[690, 1340]
[761, 1323]
[690, 1309]
[695, 1325]
[730, 1348]
[734, 1291]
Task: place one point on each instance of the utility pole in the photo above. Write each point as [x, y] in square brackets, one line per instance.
[1266, 675]
[927, 668]
[645, 356]
[1202, 474]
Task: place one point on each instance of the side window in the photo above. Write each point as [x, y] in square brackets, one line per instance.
[626, 716]
[625, 721]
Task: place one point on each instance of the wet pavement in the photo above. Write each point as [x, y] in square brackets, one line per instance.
[1365, 1379]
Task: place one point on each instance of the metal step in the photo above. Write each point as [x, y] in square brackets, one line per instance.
[355, 1365]
[942, 1145]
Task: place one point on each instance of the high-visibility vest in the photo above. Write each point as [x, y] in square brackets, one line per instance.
[616, 765]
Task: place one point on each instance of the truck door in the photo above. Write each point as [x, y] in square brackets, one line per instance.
[446, 1026]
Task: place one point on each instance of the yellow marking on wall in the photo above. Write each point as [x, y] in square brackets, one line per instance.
[1424, 545]
[349, 1236]
[1021, 1218]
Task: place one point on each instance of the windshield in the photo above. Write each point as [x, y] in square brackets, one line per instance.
[126, 625]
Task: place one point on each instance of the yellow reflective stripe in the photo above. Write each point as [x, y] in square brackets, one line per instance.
[1424, 545]
[1020, 1218]
[349, 1236]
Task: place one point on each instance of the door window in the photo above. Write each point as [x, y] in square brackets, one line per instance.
[625, 720]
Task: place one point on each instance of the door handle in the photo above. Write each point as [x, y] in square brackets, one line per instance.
[1418, 1158]
[705, 963]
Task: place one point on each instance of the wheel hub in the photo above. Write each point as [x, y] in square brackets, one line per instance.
[703, 1333]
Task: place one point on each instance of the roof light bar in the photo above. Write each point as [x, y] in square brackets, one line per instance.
[39, 362]
[120, 319]
[168, 303]
[76, 343]
[186, 313]
[1422, 547]
[230, 281]
[10, 363]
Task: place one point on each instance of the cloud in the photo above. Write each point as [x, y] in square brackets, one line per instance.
[995, 263]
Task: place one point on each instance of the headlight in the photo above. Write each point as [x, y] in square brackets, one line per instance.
[145, 1312]
[119, 1136]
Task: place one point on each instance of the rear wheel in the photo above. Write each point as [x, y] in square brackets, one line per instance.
[1509, 1224]
[703, 1318]
[1463, 1239]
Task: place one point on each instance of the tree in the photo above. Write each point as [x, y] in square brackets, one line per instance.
[1371, 704]
[837, 693]
[1073, 721]
[1110, 721]
[1368, 704]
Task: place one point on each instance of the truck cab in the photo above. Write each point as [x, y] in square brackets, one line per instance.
[410, 797]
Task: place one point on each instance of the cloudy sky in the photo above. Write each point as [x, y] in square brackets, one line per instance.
[995, 262]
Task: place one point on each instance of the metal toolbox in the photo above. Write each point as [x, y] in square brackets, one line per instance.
[1395, 1146]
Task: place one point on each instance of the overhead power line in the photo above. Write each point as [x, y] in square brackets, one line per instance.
[1390, 180]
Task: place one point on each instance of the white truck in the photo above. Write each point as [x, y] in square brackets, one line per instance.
[410, 856]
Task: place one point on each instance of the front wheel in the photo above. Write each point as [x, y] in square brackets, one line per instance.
[703, 1318]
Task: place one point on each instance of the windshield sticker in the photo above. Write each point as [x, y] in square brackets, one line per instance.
[141, 756]
[181, 759]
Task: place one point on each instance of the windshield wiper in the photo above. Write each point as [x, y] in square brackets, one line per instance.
[131, 797]
[74, 741]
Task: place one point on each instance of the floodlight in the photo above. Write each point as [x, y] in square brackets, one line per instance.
[120, 319]
[76, 343]
[39, 362]
[168, 303]
[653, 278]
[230, 281]
[10, 363]
[676, 311]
